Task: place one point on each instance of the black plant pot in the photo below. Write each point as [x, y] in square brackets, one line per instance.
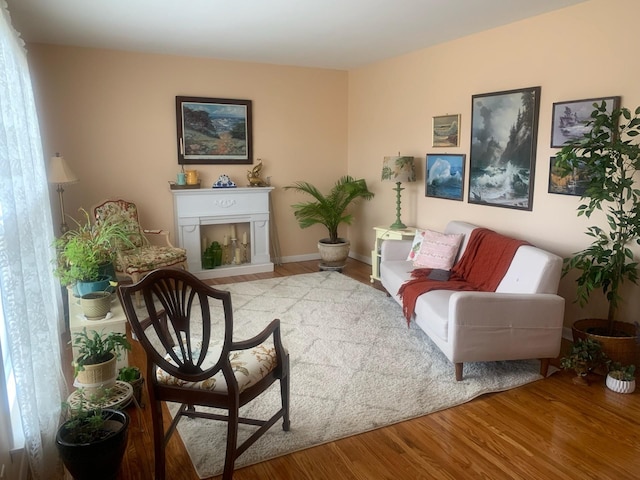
[99, 460]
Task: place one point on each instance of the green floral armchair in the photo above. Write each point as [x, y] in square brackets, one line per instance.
[153, 248]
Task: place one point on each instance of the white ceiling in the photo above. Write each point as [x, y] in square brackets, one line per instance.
[340, 34]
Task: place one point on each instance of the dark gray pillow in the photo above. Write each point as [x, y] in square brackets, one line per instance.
[439, 274]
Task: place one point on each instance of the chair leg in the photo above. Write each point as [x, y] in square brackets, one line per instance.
[459, 371]
[158, 440]
[232, 441]
[284, 392]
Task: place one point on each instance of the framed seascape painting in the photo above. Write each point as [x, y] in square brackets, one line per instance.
[213, 131]
[504, 128]
[573, 184]
[570, 118]
[446, 129]
[445, 176]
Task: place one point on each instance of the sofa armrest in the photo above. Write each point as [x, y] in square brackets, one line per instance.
[395, 249]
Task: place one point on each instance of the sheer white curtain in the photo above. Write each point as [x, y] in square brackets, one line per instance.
[31, 300]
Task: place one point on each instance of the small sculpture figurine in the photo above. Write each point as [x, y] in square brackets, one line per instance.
[253, 176]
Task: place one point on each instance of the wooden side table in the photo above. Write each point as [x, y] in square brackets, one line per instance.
[386, 233]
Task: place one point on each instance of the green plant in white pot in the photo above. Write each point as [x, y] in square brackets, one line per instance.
[97, 353]
[608, 156]
[330, 210]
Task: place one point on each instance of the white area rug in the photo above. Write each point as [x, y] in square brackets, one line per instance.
[355, 366]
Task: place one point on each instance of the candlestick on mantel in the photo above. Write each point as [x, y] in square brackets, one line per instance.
[244, 238]
[233, 231]
[225, 241]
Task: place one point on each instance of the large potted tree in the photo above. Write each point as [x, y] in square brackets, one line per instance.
[330, 210]
[608, 156]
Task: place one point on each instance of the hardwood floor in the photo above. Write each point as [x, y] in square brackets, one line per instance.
[550, 429]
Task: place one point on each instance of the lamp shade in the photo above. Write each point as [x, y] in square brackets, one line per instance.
[59, 171]
[398, 169]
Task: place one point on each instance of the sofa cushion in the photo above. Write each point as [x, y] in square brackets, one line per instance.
[432, 313]
[438, 250]
[415, 245]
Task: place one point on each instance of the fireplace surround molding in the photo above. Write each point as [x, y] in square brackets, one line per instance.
[197, 208]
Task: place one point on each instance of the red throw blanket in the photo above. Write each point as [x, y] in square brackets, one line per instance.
[481, 268]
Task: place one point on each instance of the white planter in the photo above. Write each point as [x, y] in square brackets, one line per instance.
[333, 255]
[620, 386]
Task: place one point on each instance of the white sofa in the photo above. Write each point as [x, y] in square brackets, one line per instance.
[522, 319]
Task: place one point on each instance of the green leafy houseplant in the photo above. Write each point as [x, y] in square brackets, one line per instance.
[82, 251]
[585, 356]
[92, 439]
[97, 348]
[625, 373]
[608, 156]
[330, 209]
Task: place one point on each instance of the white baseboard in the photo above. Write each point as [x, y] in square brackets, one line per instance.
[300, 258]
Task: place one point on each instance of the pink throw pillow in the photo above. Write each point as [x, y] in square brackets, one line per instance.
[438, 250]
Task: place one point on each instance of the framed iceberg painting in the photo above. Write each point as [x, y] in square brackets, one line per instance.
[445, 176]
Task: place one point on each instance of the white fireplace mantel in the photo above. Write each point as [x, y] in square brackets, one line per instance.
[193, 208]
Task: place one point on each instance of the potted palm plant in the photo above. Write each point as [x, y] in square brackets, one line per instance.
[330, 210]
[92, 440]
[85, 254]
[608, 155]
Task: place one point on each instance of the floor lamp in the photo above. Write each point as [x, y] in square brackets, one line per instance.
[398, 169]
[60, 174]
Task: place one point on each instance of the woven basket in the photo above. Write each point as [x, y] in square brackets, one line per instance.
[99, 374]
[619, 349]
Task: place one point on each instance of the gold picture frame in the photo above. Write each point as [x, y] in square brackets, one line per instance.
[446, 131]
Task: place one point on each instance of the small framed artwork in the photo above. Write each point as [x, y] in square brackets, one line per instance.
[575, 183]
[213, 131]
[446, 129]
[445, 176]
[570, 118]
[504, 129]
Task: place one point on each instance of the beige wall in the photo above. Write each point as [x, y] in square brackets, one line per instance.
[578, 52]
[112, 115]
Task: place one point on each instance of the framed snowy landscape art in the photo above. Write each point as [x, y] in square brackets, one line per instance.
[504, 130]
[445, 176]
[570, 118]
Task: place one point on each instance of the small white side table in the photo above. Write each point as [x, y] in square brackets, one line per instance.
[116, 322]
[386, 233]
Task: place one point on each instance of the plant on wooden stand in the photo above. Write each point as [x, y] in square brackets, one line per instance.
[585, 356]
[608, 156]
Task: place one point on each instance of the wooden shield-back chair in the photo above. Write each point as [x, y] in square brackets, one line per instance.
[197, 363]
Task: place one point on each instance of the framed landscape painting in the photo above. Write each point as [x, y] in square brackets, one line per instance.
[446, 130]
[504, 129]
[213, 131]
[445, 176]
[570, 118]
[573, 184]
